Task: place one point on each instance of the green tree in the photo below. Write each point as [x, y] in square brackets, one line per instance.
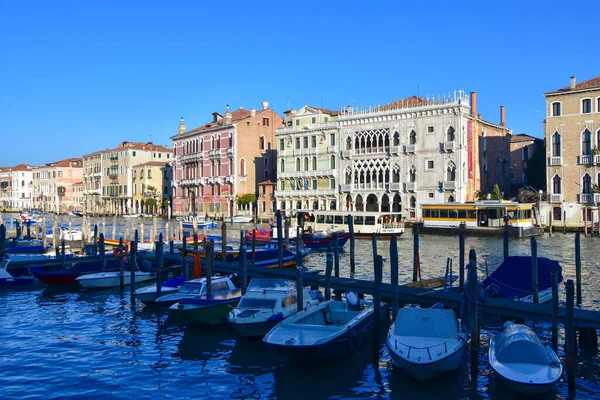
[536, 169]
[247, 198]
[496, 194]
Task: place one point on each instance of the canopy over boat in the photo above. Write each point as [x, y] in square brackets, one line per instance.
[519, 344]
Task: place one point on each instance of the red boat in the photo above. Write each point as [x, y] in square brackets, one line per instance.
[72, 270]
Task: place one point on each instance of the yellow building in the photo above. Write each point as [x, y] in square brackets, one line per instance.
[151, 186]
[572, 133]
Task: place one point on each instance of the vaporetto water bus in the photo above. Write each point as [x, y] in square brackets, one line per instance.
[384, 224]
[488, 217]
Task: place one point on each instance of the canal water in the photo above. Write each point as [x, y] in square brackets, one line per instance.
[72, 343]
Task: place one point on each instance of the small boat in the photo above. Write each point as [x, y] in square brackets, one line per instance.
[147, 294]
[7, 278]
[201, 224]
[77, 213]
[522, 361]
[322, 239]
[426, 342]
[64, 233]
[101, 280]
[207, 309]
[431, 283]
[513, 280]
[196, 287]
[266, 303]
[129, 215]
[333, 329]
[21, 246]
[50, 275]
[239, 219]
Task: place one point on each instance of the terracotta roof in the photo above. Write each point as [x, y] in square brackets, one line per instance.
[153, 164]
[236, 116]
[412, 101]
[20, 167]
[593, 83]
[326, 111]
[523, 137]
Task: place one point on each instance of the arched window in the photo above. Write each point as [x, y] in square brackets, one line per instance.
[348, 143]
[306, 163]
[297, 164]
[332, 162]
[412, 137]
[413, 202]
[413, 174]
[298, 205]
[315, 205]
[450, 134]
[598, 131]
[525, 153]
[586, 143]
[556, 185]
[586, 187]
[396, 138]
[332, 205]
[282, 165]
[262, 142]
[314, 162]
[242, 167]
[451, 172]
[451, 199]
[556, 144]
[348, 176]
[396, 174]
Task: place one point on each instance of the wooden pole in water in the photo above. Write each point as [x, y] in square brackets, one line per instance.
[374, 246]
[184, 262]
[253, 247]
[298, 250]
[461, 258]
[279, 238]
[2, 240]
[102, 251]
[299, 286]
[328, 270]
[133, 262]
[29, 229]
[570, 346]
[159, 265]
[506, 244]
[167, 237]
[142, 235]
[336, 264]
[351, 229]
[104, 226]
[473, 315]
[243, 269]
[96, 240]
[585, 221]
[209, 266]
[394, 273]
[121, 267]
[195, 226]
[377, 305]
[564, 222]
[195, 241]
[62, 247]
[534, 270]
[223, 240]
[554, 281]
[55, 232]
[114, 227]
[550, 223]
[44, 236]
[287, 233]
[415, 251]
[180, 233]
[154, 227]
[578, 266]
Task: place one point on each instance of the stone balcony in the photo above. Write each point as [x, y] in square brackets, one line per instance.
[189, 158]
[308, 174]
[395, 187]
[449, 146]
[585, 197]
[304, 193]
[556, 198]
[584, 159]
[449, 185]
[395, 150]
[410, 148]
[346, 188]
[332, 149]
[347, 153]
[597, 198]
[597, 159]
[410, 186]
[554, 160]
[230, 151]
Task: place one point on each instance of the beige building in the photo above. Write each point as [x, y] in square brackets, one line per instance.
[522, 147]
[151, 186]
[572, 133]
[92, 182]
[78, 198]
[53, 185]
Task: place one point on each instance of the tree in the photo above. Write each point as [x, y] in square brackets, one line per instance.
[496, 194]
[151, 204]
[536, 169]
[247, 198]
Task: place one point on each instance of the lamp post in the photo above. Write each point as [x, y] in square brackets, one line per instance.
[540, 205]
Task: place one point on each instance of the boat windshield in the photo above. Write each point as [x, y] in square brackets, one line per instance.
[430, 323]
[191, 287]
[249, 302]
[271, 284]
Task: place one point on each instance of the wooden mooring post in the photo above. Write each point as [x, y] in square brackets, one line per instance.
[133, 262]
[224, 241]
[121, 267]
[578, 267]
[351, 229]
[243, 269]
[550, 223]
[473, 315]
[300, 286]
[377, 305]
[328, 270]
[298, 250]
[184, 261]
[554, 280]
[461, 257]
[287, 233]
[570, 347]
[394, 274]
[534, 270]
[210, 262]
[159, 265]
[95, 239]
[253, 247]
[2, 240]
[102, 252]
[279, 238]
[336, 264]
[415, 229]
[506, 243]
[114, 227]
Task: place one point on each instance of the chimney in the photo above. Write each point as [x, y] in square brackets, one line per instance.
[253, 112]
[502, 116]
[181, 126]
[265, 105]
[227, 115]
[474, 104]
[573, 82]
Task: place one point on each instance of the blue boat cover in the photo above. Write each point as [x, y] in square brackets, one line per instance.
[513, 277]
[174, 282]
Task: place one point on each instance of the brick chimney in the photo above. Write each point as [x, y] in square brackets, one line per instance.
[265, 105]
[181, 126]
[502, 116]
[474, 104]
[227, 115]
[573, 82]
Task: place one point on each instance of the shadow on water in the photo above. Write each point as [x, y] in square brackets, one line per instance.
[205, 343]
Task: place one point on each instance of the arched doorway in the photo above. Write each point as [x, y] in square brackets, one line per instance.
[332, 205]
[315, 205]
[348, 203]
[385, 203]
[359, 206]
[372, 204]
[397, 204]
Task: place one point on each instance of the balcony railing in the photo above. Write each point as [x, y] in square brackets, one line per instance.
[192, 181]
[555, 198]
[394, 149]
[230, 151]
[395, 187]
[449, 146]
[585, 197]
[597, 198]
[302, 192]
[331, 149]
[191, 157]
[410, 148]
[554, 160]
[597, 159]
[308, 174]
[410, 186]
[229, 179]
[297, 152]
[449, 185]
[585, 159]
[347, 153]
[346, 188]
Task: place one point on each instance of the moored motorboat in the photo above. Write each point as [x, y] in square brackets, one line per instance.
[266, 303]
[110, 279]
[196, 287]
[66, 274]
[23, 246]
[147, 294]
[207, 309]
[522, 361]
[6, 278]
[239, 219]
[333, 329]
[426, 342]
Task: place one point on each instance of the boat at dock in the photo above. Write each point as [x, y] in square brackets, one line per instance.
[103, 280]
[426, 342]
[24, 246]
[196, 287]
[6, 278]
[68, 273]
[383, 224]
[310, 239]
[522, 361]
[239, 219]
[147, 294]
[331, 330]
[266, 303]
[207, 309]
[482, 218]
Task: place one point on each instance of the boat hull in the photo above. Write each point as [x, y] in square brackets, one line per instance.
[17, 280]
[256, 329]
[214, 314]
[111, 279]
[526, 388]
[149, 297]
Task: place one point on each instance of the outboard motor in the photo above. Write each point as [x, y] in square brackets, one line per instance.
[352, 302]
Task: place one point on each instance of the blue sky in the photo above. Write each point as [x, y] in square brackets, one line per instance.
[77, 77]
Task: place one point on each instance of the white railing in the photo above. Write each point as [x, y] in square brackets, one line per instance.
[308, 174]
[448, 185]
[297, 152]
[313, 150]
[190, 157]
[395, 187]
[301, 128]
[230, 151]
[371, 186]
[554, 160]
[229, 179]
[347, 153]
[410, 186]
[331, 149]
[410, 148]
[556, 198]
[587, 159]
[394, 149]
[346, 188]
[449, 146]
[585, 197]
[597, 159]
[303, 192]
[597, 198]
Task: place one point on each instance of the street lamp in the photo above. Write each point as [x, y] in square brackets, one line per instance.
[540, 205]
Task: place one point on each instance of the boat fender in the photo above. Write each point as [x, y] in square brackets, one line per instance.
[276, 317]
[122, 254]
[352, 343]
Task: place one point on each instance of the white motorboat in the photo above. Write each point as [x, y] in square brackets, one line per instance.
[522, 361]
[196, 287]
[239, 219]
[148, 294]
[111, 279]
[266, 303]
[426, 342]
[66, 234]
